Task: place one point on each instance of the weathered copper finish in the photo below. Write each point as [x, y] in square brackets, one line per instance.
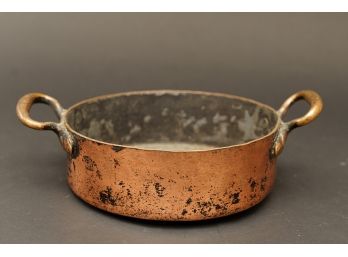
[221, 156]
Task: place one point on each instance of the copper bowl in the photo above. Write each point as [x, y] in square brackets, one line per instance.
[171, 154]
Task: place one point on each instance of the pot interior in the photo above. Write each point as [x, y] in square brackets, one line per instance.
[172, 120]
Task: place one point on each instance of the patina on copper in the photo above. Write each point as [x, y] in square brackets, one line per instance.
[171, 154]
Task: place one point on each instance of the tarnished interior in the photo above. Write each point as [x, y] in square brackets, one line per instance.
[172, 120]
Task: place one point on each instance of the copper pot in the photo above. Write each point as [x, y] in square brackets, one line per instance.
[171, 154]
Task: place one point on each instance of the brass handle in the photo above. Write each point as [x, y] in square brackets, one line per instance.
[23, 109]
[316, 106]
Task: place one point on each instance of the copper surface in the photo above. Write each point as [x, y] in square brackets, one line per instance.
[167, 185]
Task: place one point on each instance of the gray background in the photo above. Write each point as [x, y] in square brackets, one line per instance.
[262, 56]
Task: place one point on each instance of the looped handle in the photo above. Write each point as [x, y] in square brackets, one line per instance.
[316, 106]
[23, 109]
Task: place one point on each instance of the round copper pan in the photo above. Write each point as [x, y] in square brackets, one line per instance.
[168, 154]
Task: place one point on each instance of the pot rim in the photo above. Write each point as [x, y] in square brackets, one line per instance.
[160, 92]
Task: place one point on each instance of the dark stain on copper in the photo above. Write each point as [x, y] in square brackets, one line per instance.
[171, 181]
[75, 151]
[91, 165]
[106, 196]
[159, 189]
[189, 201]
[235, 198]
[263, 183]
[189, 189]
[252, 184]
[146, 188]
[157, 176]
[184, 211]
[217, 206]
[129, 193]
[116, 163]
[204, 207]
[117, 148]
